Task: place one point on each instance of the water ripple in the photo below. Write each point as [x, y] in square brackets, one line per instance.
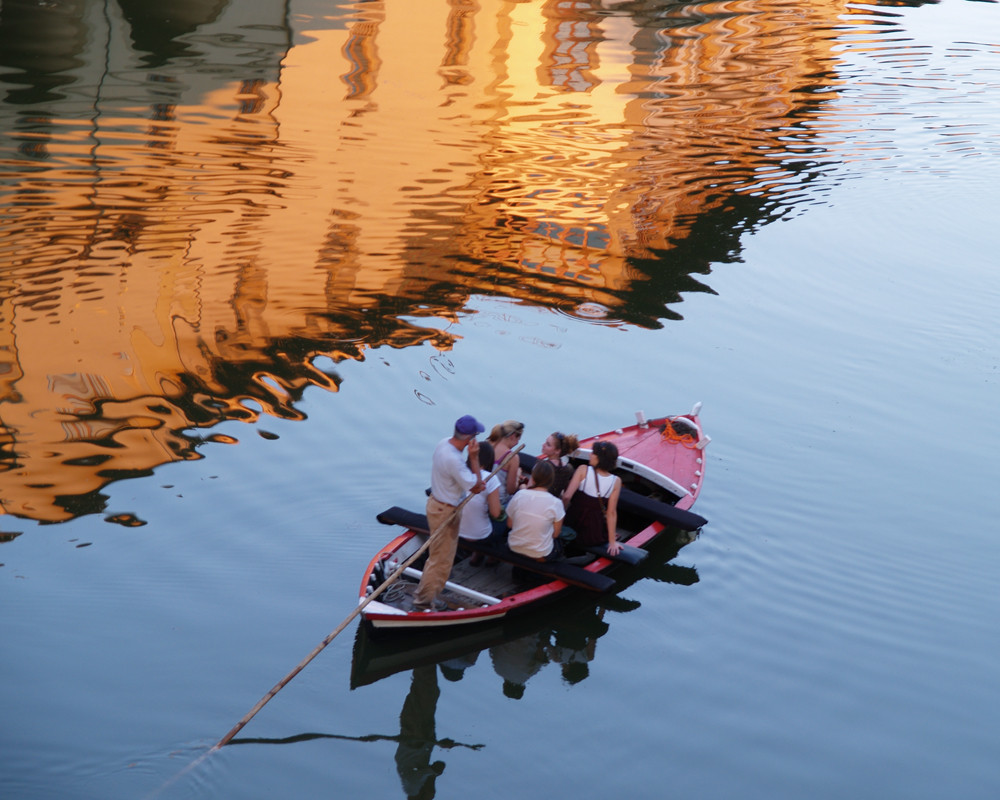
[199, 237]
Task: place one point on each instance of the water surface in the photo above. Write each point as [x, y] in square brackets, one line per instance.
[254, 262]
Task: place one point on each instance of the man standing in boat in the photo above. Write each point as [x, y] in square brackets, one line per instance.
[451, 480]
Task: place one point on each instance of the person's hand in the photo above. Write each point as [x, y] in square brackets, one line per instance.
[479, 486]
[474, 448]
[614, 548]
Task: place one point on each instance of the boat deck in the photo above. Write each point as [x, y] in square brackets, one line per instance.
[495, 580]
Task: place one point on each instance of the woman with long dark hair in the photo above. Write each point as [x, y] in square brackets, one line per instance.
[591, 499]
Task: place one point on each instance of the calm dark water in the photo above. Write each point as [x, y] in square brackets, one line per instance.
[254, 262]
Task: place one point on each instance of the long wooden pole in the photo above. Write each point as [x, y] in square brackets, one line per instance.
[347, 620]
[333, 635]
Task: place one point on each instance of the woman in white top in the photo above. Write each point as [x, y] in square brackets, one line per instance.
[535, 517]
[592, 499]
[482, 509]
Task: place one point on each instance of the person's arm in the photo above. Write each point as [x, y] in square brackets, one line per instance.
[574, 484]
[493, 503]
[614, 546]
[478, 485]
[513, 469]
[557, 522]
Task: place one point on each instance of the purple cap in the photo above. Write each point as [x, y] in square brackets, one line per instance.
[469, 425]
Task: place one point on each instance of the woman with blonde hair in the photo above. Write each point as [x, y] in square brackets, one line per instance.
[504, 438]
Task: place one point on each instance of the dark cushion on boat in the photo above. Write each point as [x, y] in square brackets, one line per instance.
[627, 555]
[408, 519]
[671, 516]
[564, 570]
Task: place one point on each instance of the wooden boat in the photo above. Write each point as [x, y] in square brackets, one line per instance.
[377, 656]
[661, 463]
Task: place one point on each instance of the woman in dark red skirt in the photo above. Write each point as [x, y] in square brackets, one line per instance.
[591, 499]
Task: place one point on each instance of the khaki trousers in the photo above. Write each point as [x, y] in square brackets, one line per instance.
[441, 555]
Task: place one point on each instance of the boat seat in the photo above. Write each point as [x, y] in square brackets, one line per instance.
[627, 555]
[562, 570]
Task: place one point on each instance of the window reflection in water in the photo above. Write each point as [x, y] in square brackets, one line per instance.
[192, 214]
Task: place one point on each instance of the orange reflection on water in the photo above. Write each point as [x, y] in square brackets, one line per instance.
[180, 245]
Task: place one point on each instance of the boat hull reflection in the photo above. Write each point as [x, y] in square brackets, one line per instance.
[378, 655]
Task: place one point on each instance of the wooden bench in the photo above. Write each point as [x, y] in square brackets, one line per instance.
[560, 570]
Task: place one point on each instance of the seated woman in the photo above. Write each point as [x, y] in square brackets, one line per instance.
[482, 516]
[504, 437]
[591, 499]
[535, 517]
[557, 449]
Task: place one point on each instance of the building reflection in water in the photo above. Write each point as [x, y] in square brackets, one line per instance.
[193, 213]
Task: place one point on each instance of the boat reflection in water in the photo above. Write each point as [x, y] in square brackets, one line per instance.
[563, 635]
[564, 632]
[415, 742]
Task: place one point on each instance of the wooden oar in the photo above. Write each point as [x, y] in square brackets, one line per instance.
[333, 635]
[360, 607]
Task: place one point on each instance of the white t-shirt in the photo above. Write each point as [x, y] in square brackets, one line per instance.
[451, 477]
[533, 514]
[476, 523]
